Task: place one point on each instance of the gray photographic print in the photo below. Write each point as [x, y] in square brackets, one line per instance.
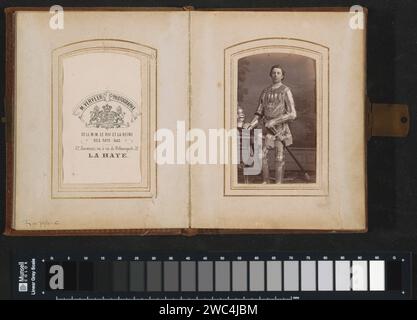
[276, 92]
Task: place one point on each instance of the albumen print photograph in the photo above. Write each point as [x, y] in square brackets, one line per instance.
[277, 94]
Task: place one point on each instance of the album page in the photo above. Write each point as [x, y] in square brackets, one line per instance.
[89, 98]
[294, 81]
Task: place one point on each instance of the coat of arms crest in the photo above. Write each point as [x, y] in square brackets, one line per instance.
[107, 110]
[106, 118]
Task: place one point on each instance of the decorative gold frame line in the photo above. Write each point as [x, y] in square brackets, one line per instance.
[312, 186]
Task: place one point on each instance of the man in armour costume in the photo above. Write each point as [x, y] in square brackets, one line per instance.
[275, 109]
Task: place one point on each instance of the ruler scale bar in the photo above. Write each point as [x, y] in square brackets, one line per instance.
[228, 275]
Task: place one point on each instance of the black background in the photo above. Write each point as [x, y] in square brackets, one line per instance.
[392, 163]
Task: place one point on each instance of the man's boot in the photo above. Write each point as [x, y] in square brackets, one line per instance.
[279, 171]
[265, 172]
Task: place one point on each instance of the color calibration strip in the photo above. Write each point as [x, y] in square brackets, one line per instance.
[273, 276]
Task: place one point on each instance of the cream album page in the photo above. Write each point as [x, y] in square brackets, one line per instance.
[89, 99]
[297, 81]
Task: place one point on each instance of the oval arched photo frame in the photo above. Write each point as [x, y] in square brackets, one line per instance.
[248, 84]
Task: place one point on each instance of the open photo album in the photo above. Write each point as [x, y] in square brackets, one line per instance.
[183, 121]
